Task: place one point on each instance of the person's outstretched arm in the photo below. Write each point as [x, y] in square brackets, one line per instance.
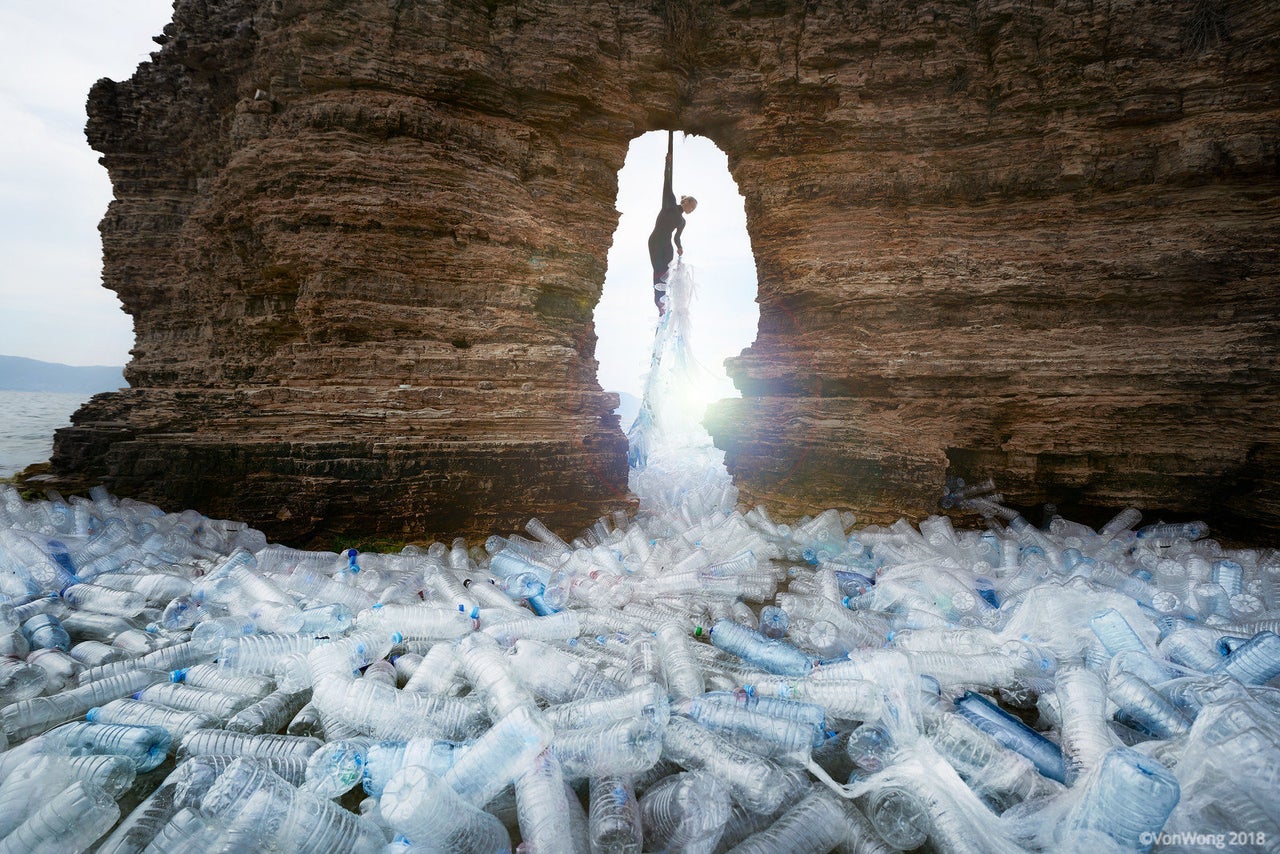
[668, 195]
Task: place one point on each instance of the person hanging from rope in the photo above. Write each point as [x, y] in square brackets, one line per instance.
[670, 219]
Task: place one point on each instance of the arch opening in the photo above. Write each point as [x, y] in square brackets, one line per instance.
[723, 311]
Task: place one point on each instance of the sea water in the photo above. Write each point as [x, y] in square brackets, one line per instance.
[28, 420]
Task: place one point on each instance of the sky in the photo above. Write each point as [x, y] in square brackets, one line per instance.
[724, 313]
[53, 193]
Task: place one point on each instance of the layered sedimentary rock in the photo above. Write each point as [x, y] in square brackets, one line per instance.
[362, 241]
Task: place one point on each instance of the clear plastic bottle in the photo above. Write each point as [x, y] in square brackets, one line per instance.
[510, 563]
[259, 654]
[140, 826]
[1115, 632]
[644, 665]
[685, 812]
[364, 707]
[385, 758]
[214, 631]
[683, 675]
[416, 621]
[92, 653]
[270, 714]
[1191, 646]
[337, 767]
[1128, 797]
[998, 775]
[104, 600]
[503, 753]
[1169, 532]
[309, 823]
[647, 701]
[755, 782]
[108, 628]
[179, 655]
[141, 713]
[769, 655]
[187, 829]
[545, 535]
[306, 722]
[45, 631]
[1144, 706]
[206, 701]
[490, 672]
[72, 820]
[814, 825]
[810, 714]
[614, 824]
[554, 627]
[419, 804]
[213, 742]
[1121, 523]
[213, 678]
[329, 619]
[112, 773]
[852, 699]
[343, 658]
[899, 817]
[20, 680]
[38, 714]
[1082, 703]
[315, 587]
[30, 779]
[156, 587]
[438, 671]
[557, 676]
[628, 746]
[1257, 662]
[449, 587]
[146, 746]
[1013, 734]
[776, 737]
[541, 805]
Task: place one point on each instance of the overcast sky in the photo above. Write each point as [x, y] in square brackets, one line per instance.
[53, 192]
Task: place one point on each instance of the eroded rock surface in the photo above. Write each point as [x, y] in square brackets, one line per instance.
[362, 242]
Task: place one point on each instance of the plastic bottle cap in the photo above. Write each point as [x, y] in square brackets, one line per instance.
[178, 675]
[396, 637]
[92, 714]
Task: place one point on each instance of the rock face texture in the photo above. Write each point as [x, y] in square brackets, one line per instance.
[362, 241]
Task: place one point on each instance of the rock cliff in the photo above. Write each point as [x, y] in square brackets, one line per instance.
[362, 240]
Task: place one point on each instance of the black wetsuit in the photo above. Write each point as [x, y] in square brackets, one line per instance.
[670, 218]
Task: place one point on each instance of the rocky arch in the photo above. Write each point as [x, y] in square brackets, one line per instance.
[361, 241]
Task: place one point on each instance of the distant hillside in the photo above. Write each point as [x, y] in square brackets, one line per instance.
[19, 374]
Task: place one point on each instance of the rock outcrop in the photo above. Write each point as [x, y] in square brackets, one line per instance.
[362, 240]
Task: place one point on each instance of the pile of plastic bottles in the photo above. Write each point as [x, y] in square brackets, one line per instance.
[692, 678]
